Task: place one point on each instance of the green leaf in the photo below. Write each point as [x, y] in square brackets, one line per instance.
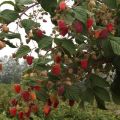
[69, 18]
[69, 46]
[7, 2]
[115, 43]
[9, 35]
[42, 95]
[98, 81]
[111, 3]
[107, 48]
[8, 16]
[49, 5]
[24, 2]
[45, 42]
[23, 50]
[71, 92]
[80, 14]
[29, 24]
[87, 95]
[10, 44]
[102, 93]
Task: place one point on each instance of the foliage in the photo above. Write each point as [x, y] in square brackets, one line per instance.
[79, 54]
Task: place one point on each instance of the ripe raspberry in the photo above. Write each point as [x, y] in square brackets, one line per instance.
[57, 58]
[62, 27]
[56, 103]
[28, 113]
[46, 110]
[29, 60]
[89, 23]
[49, 103]
[39, 33]
[34, 108]
[13, 102]
[26, 96]
[78, 27]
[71, 102]
[84, 63]
[36, 88]
[103, 34]
[17, 88]
[109, 27]
[21, 115]
[13, 111]
[60, 90]
[56, 69]
[62, 5]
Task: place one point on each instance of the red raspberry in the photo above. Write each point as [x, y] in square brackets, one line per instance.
[103, 34]
[71, 102]
[84, 63]
[56, 103]
[37, 88]
[46, 110]
[17, 88]
[78, 27]
[39, 33]
[13, 102]
[29, 60]
[89, 23]
[57, 58]
[21, 115]
[34, 108]
[62, 5]
[26, 96]
[60, 90]
[56, 69]
[49, 102]
[62, 27]
[28, 113]
[109, 27]
[13, 111]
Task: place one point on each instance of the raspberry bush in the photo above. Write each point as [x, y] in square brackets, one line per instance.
[79, 54]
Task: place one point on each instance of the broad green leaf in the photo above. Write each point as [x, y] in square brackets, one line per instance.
[29, 24]
[9, 35]
[80, 13]
[69, 46]
[111, 3]
[71, 92]
[23, 50]
[24, 2]
[102, 93]
[68, 17]
[115, 43]
[98, 81]
[7, 2]
[87, 95]
[48, 5]
[10, 44]
[8, 16]
[107, 48]
[45, 42]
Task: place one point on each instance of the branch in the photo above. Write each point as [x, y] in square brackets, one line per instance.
[27, 8]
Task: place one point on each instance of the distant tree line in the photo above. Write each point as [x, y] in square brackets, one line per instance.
[12, 70]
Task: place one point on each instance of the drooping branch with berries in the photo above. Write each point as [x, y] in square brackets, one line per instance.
[73, 60]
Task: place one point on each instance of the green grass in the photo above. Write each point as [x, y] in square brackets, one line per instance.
[64, 112]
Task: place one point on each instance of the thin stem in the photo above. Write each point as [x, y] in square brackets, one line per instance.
[27, 8]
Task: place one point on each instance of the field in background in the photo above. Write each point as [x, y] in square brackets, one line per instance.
[64, 112]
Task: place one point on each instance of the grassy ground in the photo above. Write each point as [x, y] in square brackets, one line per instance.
[64, 112]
